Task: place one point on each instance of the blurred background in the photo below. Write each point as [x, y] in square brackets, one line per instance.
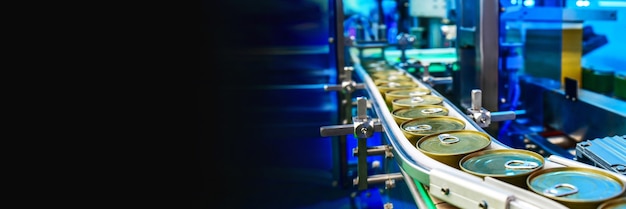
[265, 64]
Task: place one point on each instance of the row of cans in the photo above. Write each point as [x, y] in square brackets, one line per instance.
[605, 81]
[425, 122]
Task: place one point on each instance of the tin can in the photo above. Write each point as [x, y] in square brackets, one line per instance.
[576, 187]
[382, 69]
[391, 78]
[388, 72]
[619, 85]
[388, 86]
[617, 203]
[404, 114]
[450, 146]
[509, 165]
[415, 101]
[374, 63]
[598, 80]
[405, 93]
[416, 128]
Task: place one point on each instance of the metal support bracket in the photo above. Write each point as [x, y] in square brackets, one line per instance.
[466, 193]
[432, 81]
[484, 117]
[362, 127]
[347, 84]
[389, 179]
[376, 150]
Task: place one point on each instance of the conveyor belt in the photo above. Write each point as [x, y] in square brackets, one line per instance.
[466, 190]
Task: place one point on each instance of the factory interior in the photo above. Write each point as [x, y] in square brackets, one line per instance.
[363, 104]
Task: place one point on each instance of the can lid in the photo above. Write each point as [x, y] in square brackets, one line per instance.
[619, 203]
[418, 100]
[502, 162]
[385, 72]
[420, 91]
[431, 125]
[453, 142]
[574, 184]
[604, 71]
[399, 85]
[391, 77]
[421, 111]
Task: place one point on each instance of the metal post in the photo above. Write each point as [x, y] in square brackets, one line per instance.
[336, 40]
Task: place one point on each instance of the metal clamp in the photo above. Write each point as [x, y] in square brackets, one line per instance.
[347, 84]
[363, 127]
[385, 150]
[484, 117]
[431, 80]
[389, 179]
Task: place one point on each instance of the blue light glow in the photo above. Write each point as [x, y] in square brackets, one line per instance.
[529, 3]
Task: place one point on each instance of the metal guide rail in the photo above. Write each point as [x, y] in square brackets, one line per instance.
[450, 184]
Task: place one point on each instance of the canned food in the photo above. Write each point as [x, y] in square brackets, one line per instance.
[450, 146]
[619, 203]
[415, 129]
[405, 93]
[391, 78]
[598, 80]
[381, 68]
[374, 63]
[388, 86]
[619, 86]
[404, 114]
[415, 101]
[508, 165]
[388, 72]
[576, 187]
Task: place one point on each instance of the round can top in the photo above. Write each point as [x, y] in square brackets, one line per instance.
[431, 125]
[502, 162]
[383, 70]
[603, 71]
[419, 91]
[619, 203]
[421, 111]
[575, 184]
[377, 63]
[418, 101]
[397, 85]
[453, 142]
[388, 72]
[389, 78]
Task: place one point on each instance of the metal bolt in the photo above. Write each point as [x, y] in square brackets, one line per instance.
[445, 191]
[483, 204]
[331, 39]
[390, 184]
[388, 205]
[364, 131]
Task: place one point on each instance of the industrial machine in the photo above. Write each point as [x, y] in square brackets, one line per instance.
[513, 71]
